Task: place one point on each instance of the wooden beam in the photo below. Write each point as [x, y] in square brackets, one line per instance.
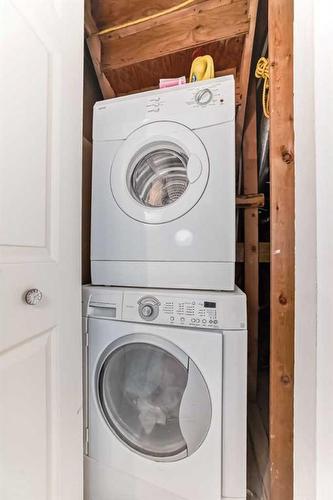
[245, 75]
[89, 23]
[282, 200]
[251, 268]
[220, 23]
[250, 201]
[264, 252]
[95, 50]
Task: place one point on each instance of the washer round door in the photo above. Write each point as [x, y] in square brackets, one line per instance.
[160, 172]
[153, 397]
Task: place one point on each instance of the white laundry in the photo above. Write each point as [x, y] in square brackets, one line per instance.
[150, 415]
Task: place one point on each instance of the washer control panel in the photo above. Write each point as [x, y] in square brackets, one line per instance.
[185, 310]
[200, 309]
[191, 312]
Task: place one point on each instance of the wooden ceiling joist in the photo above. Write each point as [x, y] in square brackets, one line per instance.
[209, 23]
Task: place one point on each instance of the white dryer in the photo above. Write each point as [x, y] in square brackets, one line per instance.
[163, 196]
[165, 394]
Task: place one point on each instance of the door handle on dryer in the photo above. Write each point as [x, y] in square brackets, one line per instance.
[194, 168]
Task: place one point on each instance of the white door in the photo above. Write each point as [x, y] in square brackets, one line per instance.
[41, 44]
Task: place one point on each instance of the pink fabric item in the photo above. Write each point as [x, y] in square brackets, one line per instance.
[172, 82]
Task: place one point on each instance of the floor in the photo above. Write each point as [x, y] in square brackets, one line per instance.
[257, 471]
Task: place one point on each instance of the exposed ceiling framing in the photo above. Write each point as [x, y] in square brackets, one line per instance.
[135, 57]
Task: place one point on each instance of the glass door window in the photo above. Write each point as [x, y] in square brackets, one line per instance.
[160, 178]
[140, 387]
[159, 172]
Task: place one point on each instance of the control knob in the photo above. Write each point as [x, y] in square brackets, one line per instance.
[204, 96]
[147, 311]
[148, 308]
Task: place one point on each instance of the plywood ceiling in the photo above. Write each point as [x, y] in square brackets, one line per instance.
[113, 12]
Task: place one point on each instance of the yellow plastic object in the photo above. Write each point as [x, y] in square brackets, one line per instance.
[202, 68]
[262, 71]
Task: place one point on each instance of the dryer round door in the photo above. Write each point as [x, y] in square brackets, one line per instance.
[153, 397]
[159, 173]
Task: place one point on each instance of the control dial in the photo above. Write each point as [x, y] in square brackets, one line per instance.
[204, 96]
[147, 311]
[148, 308]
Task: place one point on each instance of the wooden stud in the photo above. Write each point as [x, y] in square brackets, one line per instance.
[245, 75]
[220, 23]
[263, 250]
[251, 267]
[282, 194]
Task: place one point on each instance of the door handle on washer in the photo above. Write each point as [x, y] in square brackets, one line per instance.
[195, 412]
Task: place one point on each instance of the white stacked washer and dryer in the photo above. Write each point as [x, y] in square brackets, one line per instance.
[164, 325]
[163, 200]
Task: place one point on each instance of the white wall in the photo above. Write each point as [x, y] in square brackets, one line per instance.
[323, 30]
[305, 348]
[314, 250]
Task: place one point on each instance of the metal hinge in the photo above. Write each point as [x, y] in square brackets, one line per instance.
[86, 440]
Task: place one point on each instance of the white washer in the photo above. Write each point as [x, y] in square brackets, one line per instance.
[165, 394]
[163, 197]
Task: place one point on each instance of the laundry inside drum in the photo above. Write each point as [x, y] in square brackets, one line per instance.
[160, 178]
[140, 389]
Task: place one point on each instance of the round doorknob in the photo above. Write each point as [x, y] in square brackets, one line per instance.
[33, 297]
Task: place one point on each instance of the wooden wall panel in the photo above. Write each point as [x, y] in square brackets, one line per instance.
[282, 189]
[226, 54]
